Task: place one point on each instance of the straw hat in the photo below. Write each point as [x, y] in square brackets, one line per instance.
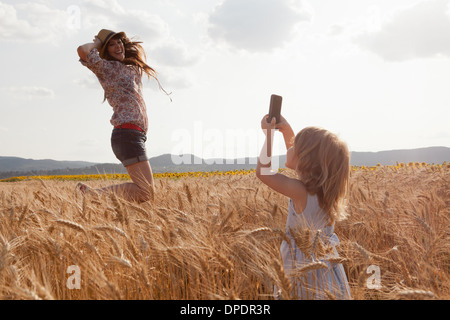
[105, 35]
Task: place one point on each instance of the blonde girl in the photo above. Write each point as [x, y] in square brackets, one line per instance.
[321, 162]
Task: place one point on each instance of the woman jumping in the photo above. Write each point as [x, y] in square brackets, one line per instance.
[119, 65]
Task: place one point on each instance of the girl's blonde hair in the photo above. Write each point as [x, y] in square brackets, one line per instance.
[324, 164]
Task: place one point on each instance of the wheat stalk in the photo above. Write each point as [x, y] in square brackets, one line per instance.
[314, 265]
[366, 254]
[72, 225]
[285, 284]
[111, 228]
[121, 261]
[258, 231]
[302, 239]
[414, 294]
[188, 193]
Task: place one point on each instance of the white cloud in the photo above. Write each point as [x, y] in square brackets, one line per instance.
[171, 80]
[89, 81]
[101, 14]
[257, 25]
[43, 22]
[162, 50]
[29, 92]
[419, 31]
[11, 27]
[33, 22]
[173, 53]
[336, 29]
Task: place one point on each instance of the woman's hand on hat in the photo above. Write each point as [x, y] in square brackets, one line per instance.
[97, 42]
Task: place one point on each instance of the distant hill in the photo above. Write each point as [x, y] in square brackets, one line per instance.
[13, 166]
[430, 155]
[21, 164]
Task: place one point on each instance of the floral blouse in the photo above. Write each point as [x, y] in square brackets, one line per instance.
[123, 88]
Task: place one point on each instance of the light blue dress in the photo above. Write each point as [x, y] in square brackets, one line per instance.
[330, 277]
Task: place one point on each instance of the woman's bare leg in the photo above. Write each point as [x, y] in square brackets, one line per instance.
[142, 187]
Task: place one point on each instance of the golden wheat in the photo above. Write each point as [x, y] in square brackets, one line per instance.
[219, 238]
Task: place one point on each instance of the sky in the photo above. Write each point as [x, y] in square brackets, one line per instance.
[375, 72]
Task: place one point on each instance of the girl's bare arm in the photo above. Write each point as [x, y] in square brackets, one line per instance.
[289, 187]
[288, 134]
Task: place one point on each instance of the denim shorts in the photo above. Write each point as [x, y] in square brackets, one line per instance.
[129, 146]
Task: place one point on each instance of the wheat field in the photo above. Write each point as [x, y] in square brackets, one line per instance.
[218, 238]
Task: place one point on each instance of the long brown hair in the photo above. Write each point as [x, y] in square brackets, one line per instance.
[134, 55]
[324, 164]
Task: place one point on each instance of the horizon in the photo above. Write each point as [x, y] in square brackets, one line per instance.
[190, 154]
[373, 72]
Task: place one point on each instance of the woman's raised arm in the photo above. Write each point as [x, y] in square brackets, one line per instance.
[84, 49]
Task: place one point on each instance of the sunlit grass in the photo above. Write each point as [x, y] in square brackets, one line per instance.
[217, 235]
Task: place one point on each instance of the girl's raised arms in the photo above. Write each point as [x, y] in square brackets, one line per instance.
[288, 134]
[290, 187]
